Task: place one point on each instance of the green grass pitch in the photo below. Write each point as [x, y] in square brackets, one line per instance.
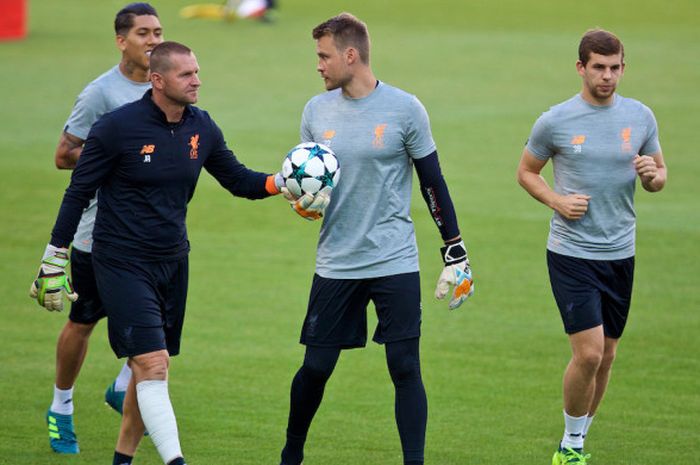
[492, 370]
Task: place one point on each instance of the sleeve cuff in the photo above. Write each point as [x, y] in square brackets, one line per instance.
[271, 184]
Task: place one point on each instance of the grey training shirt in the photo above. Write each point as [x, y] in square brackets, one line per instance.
[367, 229]
[592, 150]
[106, 93]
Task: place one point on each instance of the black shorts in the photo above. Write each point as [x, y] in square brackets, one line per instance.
[337, 312]
[145, 303]
[591, 293]
[88, 308]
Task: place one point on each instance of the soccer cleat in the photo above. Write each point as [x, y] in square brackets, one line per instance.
[115, 399]
[62, 436]
[566, 456]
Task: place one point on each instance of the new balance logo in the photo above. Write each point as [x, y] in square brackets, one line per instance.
[577, 142]
[148, 149]
[328, 136]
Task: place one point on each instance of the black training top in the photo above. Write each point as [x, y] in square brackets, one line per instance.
[146, 170]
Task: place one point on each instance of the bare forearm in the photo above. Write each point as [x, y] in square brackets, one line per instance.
[68, 151]
[68, 159]
[537, 187]
[657, 183]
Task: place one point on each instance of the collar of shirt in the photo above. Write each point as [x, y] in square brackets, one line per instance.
[148, 97]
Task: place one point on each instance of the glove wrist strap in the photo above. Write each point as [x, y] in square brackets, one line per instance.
[454, 252]
[56, 256]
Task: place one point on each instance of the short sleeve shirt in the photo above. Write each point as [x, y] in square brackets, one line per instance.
[592, 150]
[367, 229]
[106, 93]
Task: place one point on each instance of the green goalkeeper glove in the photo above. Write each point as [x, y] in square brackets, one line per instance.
[52, 280]
[309, 206]
[456, 273]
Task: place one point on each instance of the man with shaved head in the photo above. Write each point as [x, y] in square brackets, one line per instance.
[145, 158]
[138, 31]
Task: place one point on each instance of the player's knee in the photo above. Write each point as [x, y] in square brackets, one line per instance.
[316, 373]
[590, 359]
[151, 366]
[403, 367]
[78, 330]
[318, 364]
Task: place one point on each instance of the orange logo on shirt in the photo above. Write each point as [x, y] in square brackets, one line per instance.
[577, 143]
[379, 135]
[148, 149]
[194, 144]
[626, 135]
[328, 136]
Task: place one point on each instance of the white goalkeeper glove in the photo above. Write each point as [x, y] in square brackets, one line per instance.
[52, 280]
[309, 206]
[456, 273]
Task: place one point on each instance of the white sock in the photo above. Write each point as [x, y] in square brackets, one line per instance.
[62, 401]
[573, 431]
[123, 378]
[158, 416]
[589, 420]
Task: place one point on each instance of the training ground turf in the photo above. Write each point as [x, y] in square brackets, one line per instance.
[492, 369]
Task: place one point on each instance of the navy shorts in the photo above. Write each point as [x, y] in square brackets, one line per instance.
[88, 308]
[145, 303]
[337, 312]
[591, 293]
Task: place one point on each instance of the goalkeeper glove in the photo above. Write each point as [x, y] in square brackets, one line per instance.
[52, 280]
[309, 206]
[456, 273]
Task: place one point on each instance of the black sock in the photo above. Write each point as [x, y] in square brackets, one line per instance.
[177, 461]
[293, 452]
[121, 459]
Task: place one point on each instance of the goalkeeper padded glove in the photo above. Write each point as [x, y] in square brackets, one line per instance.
[309, 206]
[456, 273]
[52, 280]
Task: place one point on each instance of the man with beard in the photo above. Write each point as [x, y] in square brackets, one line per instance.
[599, 143]
[367, 247]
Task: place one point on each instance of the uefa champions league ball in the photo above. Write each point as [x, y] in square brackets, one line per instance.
[309, 167]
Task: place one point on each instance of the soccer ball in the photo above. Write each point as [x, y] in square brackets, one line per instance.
[309, 167]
